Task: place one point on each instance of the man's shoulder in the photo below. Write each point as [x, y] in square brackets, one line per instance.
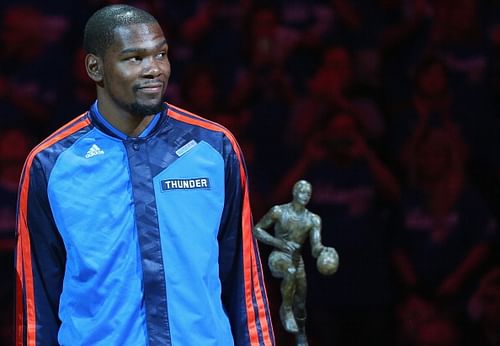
[210, 131]
[63, 137]
[279, 209]
[315, 218]
[187, 117]
[172, 108]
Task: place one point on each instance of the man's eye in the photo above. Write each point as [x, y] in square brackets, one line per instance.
[161, 55]
[134, 59]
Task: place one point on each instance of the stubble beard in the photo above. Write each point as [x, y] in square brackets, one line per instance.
[141, 110]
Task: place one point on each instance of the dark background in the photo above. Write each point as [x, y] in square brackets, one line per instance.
[340, 92]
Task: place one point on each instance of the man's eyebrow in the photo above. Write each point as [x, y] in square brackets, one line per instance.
[140, 50]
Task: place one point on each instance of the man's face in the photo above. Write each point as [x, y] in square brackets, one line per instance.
[136, 70]
[302, 193]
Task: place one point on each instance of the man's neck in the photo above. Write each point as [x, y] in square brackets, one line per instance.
[297, 207]
[134, 126]
[126, 123]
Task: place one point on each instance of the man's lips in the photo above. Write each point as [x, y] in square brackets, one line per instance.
[151, 87]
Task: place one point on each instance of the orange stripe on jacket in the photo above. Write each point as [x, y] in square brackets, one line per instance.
[252, 258]
[249, 255]
[26, 269]
[265, 327]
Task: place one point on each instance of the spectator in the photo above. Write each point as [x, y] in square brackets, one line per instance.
[420, 323]
[456, 37]
[403, 40]
[264, 89]
[446, 228]
[33, 90]
[78, 95]
[484, 310]
[431, 106]
[332, 89]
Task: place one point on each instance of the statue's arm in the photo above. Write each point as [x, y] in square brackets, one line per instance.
[268, 220]
[315, 236]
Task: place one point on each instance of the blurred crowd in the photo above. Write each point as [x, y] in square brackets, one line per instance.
[390, 108]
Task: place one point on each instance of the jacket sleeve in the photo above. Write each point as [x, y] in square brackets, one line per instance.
[243, 291]
[40, 261]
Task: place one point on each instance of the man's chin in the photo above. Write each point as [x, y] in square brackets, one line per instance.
[142, 110]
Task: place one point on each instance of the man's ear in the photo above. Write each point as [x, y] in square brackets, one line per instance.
[93, 65]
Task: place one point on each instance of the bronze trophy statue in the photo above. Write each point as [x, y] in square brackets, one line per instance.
[293, 223]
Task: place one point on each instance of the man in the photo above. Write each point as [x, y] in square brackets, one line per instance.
[293, 223]
[134, 226]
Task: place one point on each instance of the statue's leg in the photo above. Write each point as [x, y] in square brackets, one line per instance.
[287, 295]
[282, 267]
[300, 305]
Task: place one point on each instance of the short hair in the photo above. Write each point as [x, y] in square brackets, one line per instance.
[301, 183]
[99, 31]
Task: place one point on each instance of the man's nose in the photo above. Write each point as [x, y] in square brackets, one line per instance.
[151, 67]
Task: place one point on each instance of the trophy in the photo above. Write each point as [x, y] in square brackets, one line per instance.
[293, 224]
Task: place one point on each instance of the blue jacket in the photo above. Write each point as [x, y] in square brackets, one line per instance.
[138, 241]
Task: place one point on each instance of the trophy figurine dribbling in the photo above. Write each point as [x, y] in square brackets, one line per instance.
[293, 224]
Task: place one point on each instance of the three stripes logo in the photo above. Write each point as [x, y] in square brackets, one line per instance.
[93, 151]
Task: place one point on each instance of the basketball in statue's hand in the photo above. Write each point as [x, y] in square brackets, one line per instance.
[328, 261]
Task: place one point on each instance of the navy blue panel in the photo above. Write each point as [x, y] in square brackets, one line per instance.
[155, 294]
[48, 258]
[231, 252]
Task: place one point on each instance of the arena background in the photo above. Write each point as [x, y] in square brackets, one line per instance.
[389, 107]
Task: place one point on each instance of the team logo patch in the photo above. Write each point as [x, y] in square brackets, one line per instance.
[185, 184]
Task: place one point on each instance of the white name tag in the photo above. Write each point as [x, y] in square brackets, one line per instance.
[186, 147]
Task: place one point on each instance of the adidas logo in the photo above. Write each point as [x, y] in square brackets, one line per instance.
[93, 151]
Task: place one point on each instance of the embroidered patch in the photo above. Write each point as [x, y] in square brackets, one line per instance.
[185, 184]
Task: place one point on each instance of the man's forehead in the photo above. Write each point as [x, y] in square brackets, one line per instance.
[143, 35]
[303, 187]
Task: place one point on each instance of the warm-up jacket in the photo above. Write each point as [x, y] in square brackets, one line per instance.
[138, 241]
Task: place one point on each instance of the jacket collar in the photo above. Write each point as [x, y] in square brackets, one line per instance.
[100, 122]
